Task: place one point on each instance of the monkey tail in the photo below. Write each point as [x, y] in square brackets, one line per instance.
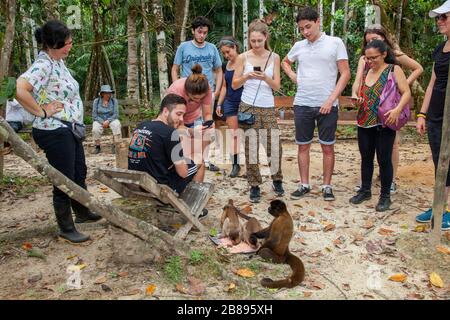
[243, 216]
[297, 276]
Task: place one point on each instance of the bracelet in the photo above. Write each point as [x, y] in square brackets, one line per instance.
[45, 112]
[421, 115]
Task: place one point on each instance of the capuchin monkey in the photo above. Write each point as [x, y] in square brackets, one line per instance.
[250, 226]
[230, 223]
[275, 246]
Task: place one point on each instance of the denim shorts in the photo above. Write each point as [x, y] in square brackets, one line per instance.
[305, 123]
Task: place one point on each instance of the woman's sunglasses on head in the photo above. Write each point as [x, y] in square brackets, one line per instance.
[441, 17]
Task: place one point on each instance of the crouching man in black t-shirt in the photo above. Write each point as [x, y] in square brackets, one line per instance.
[156, 148]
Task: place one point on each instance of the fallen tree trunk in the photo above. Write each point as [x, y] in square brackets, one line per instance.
[139, 228]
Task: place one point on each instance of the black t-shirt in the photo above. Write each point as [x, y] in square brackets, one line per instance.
[151, 149]
[441, 65]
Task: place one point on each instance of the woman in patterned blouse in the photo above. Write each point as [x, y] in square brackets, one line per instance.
[48, 90]
[372, 136]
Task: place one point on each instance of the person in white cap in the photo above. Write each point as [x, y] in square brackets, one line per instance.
[105, 113]
[431, 115]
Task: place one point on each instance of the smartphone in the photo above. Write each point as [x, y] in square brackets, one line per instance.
[257, 69]
[208, 123]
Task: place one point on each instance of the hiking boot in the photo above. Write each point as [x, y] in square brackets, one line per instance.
[255, 194]
[277, 186]
[300, 192]
[360, 197]
[235, 171]
[425, 217]
[97, 150]
[327, 192]
[66, 225]
[383, 204]
[87, 217]
[393, 187]
[212, 167]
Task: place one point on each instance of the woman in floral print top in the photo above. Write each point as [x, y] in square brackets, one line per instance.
[48, 90]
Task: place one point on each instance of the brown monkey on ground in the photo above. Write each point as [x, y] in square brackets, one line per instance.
[230, 224]
[250, 226]
[276, 246]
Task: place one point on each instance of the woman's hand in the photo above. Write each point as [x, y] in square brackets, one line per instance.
[421, 126]
[52, 108]
[392, 116]
[219, 111]
[106, 124]
[258, 75]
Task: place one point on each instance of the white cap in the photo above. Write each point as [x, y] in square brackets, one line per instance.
[442, 9]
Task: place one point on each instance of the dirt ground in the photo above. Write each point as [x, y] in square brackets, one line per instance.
[349, 252]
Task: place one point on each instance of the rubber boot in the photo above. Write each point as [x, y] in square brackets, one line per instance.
[67, 228]
[83, 214]
[236, 167]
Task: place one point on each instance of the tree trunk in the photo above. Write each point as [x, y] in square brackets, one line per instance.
[345, 22]
[181, 16]
[51, 9]
[441, 172]
[5, 54]
[233, 18]
[143, 71]
[161, 48]
[147, 51]
[399, 21]
[333, 11]
[321, 14]
[245, 24]
[261, 9]
[33, 39]
[132, 62]
[137, 227]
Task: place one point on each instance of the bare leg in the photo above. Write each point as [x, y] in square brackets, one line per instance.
[200, 175]
[303, 162]
[232, 124]
[328, 163]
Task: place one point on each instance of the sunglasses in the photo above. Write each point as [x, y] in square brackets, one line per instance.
[441, 17]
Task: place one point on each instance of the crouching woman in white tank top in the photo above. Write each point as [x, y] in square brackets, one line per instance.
[258, 70]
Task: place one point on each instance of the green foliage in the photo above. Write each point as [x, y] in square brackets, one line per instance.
[7, 90]
[196, 257]
[173, 269]
[22, 186]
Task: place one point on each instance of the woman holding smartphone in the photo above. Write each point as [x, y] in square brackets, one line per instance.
[258, 71]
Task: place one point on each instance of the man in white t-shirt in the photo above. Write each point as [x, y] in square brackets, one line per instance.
[319, 60]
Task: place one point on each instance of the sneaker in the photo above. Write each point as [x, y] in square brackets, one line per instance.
[97, 150]
[212, 167]
[425, 217]
[327, 193]
[383, 204]
[446, 221]
[277, 186]
[300, 192]
[203, 215]
[255, 194]
[360, 197]
[393, 187]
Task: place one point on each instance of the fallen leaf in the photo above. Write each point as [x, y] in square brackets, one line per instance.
[106, 288]
[317, 285]
[247, 210]
[196, 286]
[101, 280]
[230, 287]
[443, 249]
[329, 227]
[359, 237]
[180, 288]
[414, 296]
[27, 246]
[436, 280]
[385, 232]
[71, 257]
[123, 274]
[307, 294]
[337, 242]
[447, 235]
[245, 272]
[311, 213]
[36, 253]
[81, 266]
[104, 190]
[399, 277]
[132, 292]
[306, 229]
[369, 224]
[420, 228]
[302, 241]
[346, 286]
[150, 290]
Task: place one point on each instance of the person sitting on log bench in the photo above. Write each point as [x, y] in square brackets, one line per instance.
[156, 148]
